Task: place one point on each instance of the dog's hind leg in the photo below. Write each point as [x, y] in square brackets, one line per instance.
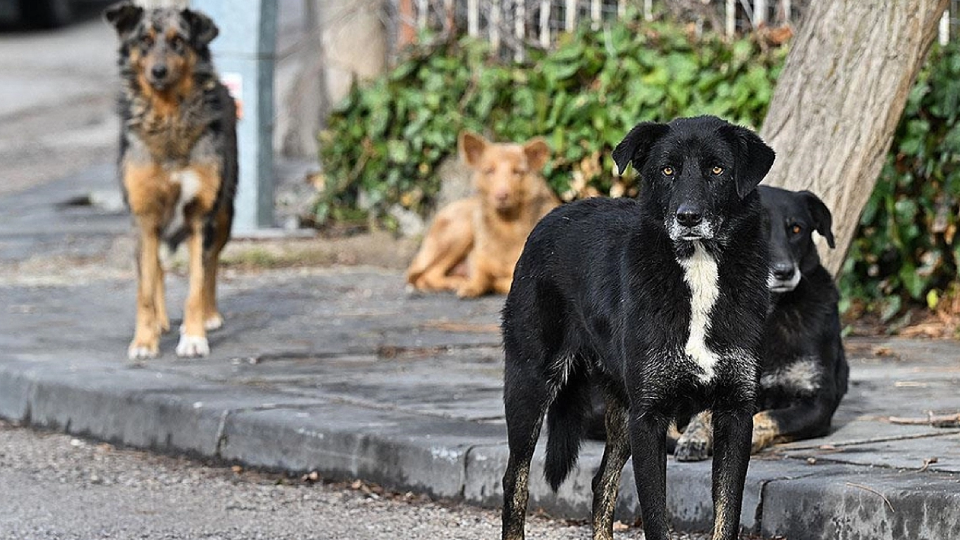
[607, 480]
[731, 455]
[160, 301]
[446, 244]
[212, 319]
[501, 285]
[803, 420]
[526, 398]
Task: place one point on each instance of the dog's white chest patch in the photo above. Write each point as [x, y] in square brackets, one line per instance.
[189, 187]
[700, 273]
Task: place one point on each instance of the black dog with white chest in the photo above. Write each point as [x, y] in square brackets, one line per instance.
[804, 371]
[661, 300]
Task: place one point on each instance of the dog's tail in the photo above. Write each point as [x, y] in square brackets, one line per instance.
[566, 427]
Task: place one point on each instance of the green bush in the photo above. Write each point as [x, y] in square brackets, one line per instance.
[905, 250]
[385, 141]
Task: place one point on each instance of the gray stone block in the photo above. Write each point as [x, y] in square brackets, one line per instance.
[864, 504]
[342, 441]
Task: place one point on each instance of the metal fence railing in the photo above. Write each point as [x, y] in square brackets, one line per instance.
[514, 25]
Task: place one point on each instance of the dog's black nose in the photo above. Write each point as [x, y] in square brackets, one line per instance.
[783, 270]
[158, 71]
[689, 216]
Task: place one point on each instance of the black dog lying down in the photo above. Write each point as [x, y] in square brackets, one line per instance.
[804, 373]
[662, 301]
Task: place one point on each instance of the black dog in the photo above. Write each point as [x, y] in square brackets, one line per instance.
[805, 372]
[662, 301]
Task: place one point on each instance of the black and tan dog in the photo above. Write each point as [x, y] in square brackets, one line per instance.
[804, 374]
[178, 164]
[660, 300]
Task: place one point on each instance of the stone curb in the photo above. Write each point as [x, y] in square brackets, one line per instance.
[448, 458]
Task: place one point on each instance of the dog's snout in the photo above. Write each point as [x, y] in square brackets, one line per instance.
[159, 71]
[689, 216]
[783, 270]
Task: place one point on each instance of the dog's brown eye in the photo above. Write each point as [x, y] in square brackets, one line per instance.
[717, 170]
[668, 171]
[488, 172]
[796, 229]
[177, 44]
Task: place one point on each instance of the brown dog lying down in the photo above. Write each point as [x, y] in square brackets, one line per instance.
[486, 231]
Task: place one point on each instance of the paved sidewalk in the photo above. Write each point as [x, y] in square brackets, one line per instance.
[340, 371]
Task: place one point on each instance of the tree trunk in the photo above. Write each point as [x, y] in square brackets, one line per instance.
[840, 97]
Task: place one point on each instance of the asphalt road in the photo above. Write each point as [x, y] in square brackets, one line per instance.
[57, 95]
[56, 487]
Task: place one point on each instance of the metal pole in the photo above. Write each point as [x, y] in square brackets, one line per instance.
[545, 23]
[759, 12]
[473, 17]
[494, 28]
[519, 28]
[731, 22]
[944, 30]
[571, 18]
[423, 10]
[245, 53]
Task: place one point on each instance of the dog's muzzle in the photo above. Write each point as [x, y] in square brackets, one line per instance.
[783, 278]
[704, 230]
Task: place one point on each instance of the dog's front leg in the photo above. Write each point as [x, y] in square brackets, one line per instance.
[648, 441]
[146, 337]
[731, 455]
[193, 339]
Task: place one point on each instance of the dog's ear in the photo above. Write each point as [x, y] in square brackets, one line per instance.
[753, 157]
[822, 219]
[471, 148]
[634, 147]
[537, 153]
[124, 16]
[202, 28]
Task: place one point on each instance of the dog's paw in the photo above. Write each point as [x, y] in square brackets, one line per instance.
[692, 449]
[142, 351]
[765, 432]
[469, 291]
[213, 322]
[192, 346]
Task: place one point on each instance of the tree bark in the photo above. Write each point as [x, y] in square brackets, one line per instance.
[839, 99]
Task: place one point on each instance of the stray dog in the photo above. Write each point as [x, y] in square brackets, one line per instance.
[661, 300]
[486, 231]
[178, 164]
[804, 371]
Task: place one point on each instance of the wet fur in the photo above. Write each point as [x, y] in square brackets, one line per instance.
[603, 294]
[473, 244]
[805, 370]
[178, 163]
